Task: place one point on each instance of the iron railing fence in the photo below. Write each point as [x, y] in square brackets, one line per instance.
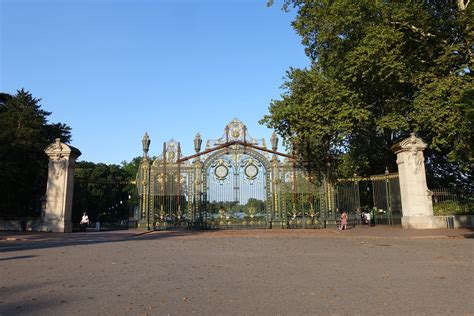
[377, 194]
[451, 202]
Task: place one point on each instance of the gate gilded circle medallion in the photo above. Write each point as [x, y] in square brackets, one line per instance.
[251, 171]
[221, 172]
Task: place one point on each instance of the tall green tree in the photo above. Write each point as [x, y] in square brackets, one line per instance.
[105, 190]
[131, 169]
[380, 69]
[24, 134]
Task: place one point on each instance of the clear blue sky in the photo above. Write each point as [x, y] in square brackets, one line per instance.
[113, 69]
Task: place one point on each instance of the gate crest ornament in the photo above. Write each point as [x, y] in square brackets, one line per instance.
[236, 131]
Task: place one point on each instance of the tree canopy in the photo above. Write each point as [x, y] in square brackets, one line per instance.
[24, 134]
[380, 70]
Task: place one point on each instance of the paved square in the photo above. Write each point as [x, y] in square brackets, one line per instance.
[292, 272]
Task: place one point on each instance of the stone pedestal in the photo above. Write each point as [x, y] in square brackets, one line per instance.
[417, 207]
[59, 191]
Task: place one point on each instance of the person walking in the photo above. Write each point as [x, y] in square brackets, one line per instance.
[97, 223]
[343, 220]
[84, 222]
[368, 218]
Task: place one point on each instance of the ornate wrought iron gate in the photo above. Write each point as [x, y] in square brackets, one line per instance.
[378, 194]
[235, 182]
[237, 188]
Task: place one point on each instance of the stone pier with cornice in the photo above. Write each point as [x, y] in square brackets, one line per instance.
[417, 207]
[56, 216]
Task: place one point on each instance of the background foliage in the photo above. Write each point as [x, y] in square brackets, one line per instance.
[24, 134]
[105, 191]
[380, 70]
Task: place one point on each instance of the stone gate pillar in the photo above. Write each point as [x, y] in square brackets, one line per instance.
[144, 185]
[59, 190]
[417, 207]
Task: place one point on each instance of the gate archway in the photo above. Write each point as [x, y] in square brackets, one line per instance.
[237, 188]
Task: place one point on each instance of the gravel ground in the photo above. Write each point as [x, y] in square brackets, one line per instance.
[297, 272]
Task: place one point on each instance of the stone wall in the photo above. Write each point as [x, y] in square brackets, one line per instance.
[459, 221]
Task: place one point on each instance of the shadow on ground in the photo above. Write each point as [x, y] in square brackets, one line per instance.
[10, 242]
[19, 242]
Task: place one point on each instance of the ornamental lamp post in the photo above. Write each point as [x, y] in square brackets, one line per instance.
[388, 195]
[197, 142]
[274, 142]
[146, 144]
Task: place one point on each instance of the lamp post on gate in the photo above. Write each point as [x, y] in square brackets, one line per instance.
[197, 142]
[146, 144]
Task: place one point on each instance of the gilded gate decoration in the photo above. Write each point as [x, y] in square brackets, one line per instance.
[235, 182]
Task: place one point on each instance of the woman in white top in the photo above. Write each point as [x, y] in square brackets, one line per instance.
[367, 218]
[84, 222]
